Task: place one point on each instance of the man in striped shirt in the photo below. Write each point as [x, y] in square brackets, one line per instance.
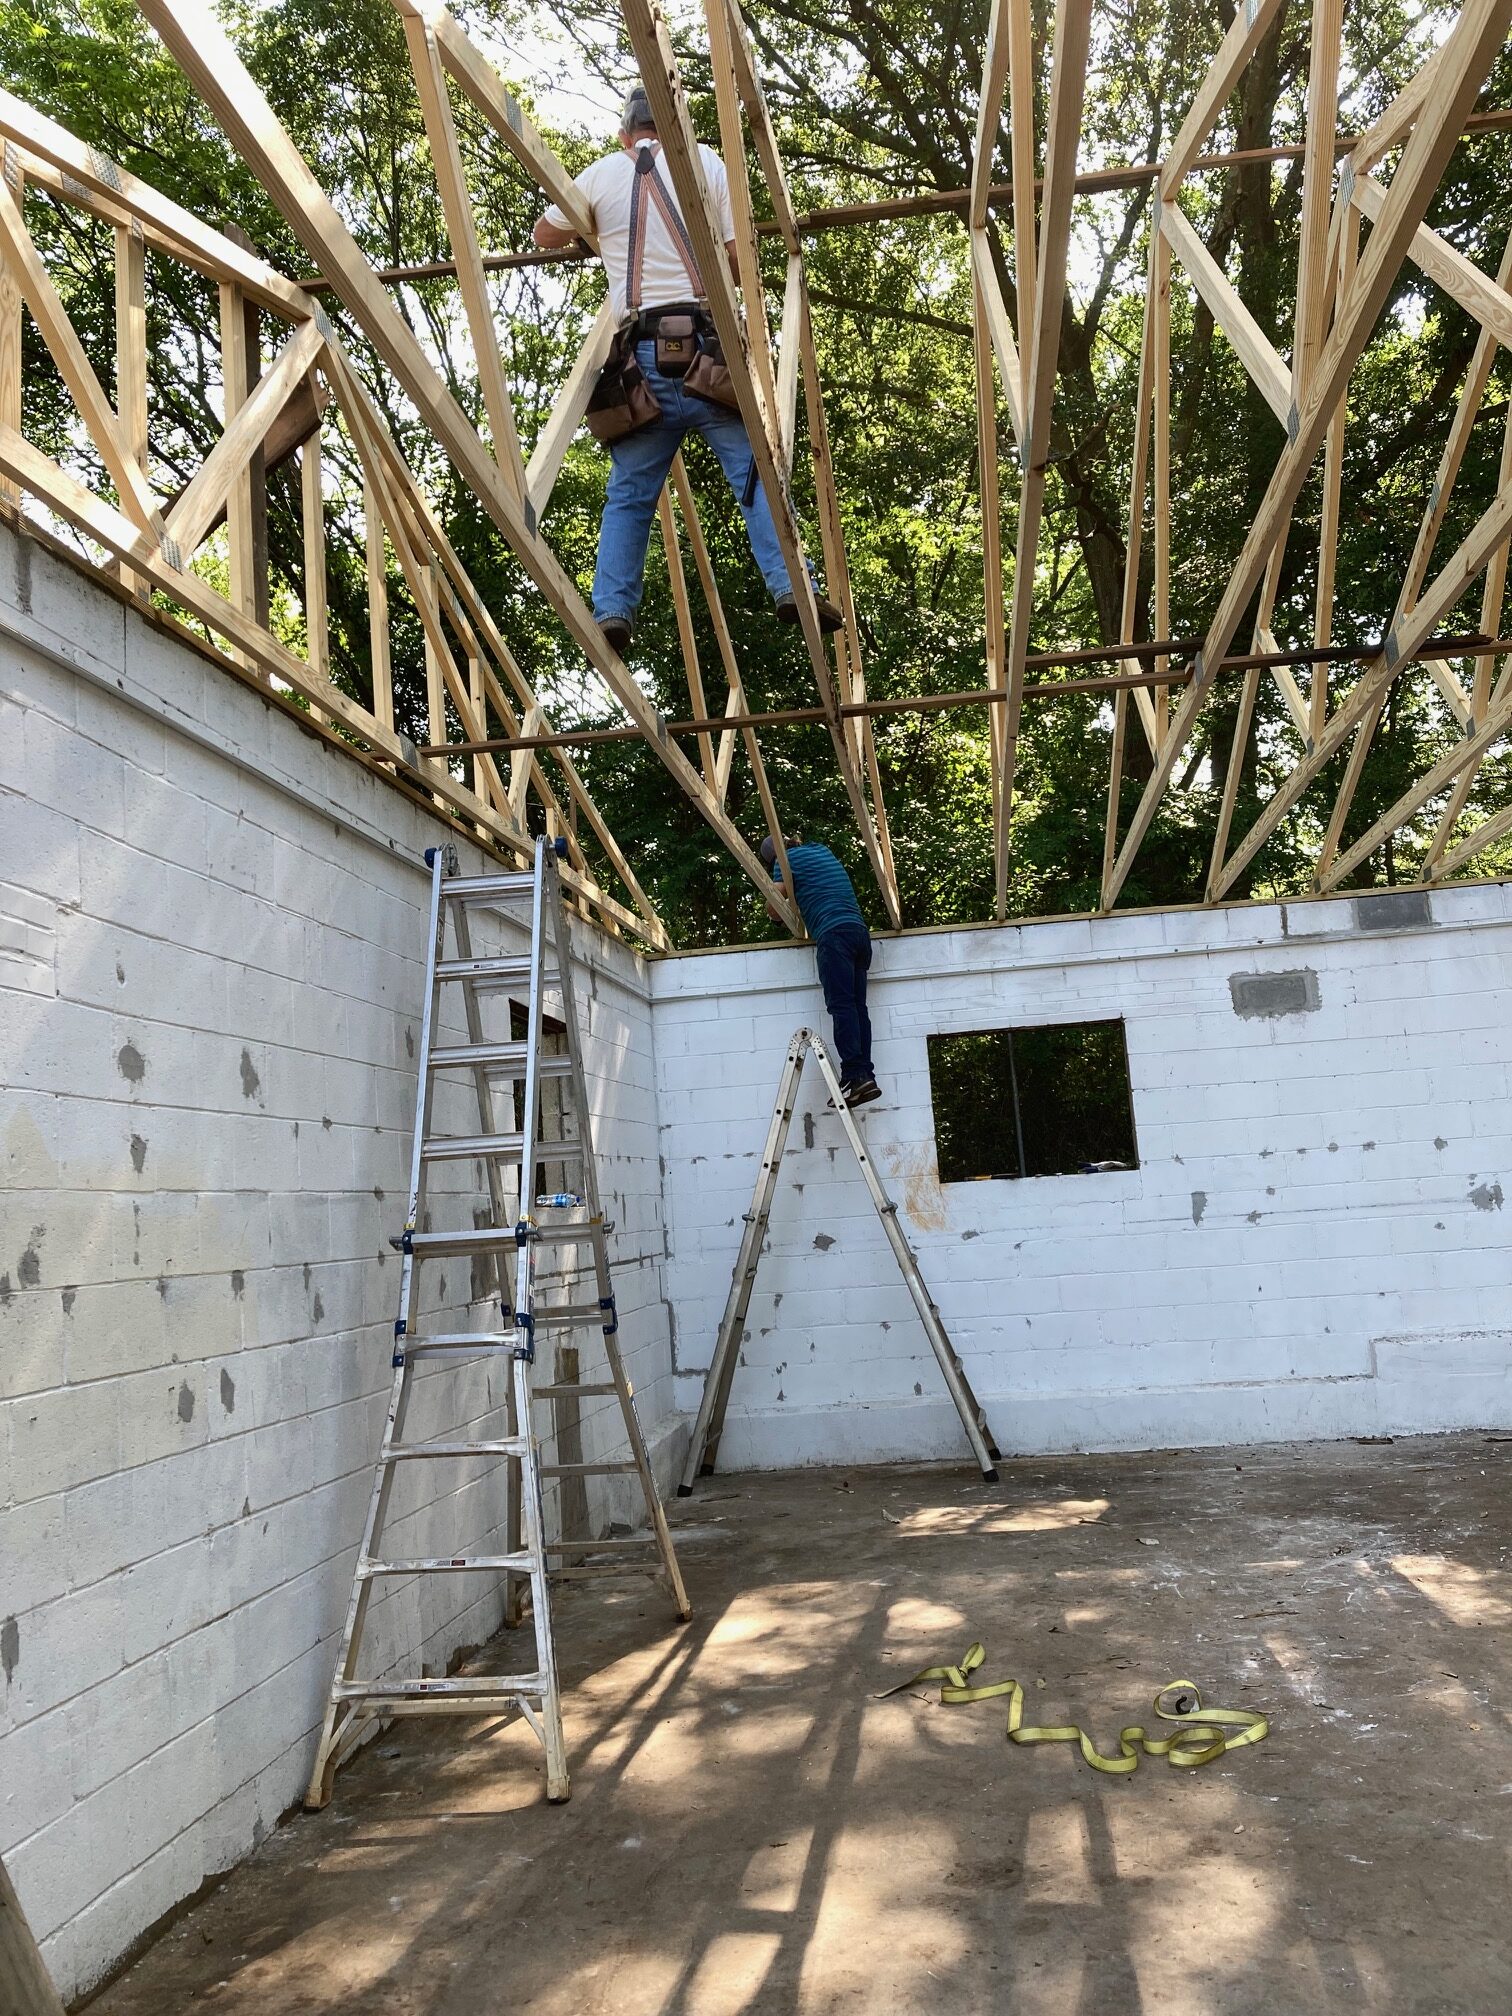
[843, 952]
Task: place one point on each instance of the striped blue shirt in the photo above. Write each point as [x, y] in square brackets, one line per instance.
[823, 889]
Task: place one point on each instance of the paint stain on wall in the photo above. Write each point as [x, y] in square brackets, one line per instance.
[918, 1172]
[1199, 1205]
[186, 1402]
[1485, 1197]
[10, 1647]
[251, 1083]
[131, 1064]
[228, 1391]
[138, 1152]
[822, 1242]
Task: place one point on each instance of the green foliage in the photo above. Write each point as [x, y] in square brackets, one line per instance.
[876, 100]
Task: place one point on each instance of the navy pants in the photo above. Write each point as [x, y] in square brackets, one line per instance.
[844, 956]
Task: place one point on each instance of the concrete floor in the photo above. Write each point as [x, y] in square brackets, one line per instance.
[751, 1830]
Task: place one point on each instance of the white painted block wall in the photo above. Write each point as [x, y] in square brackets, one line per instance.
[210, 942]
[1315, 1242]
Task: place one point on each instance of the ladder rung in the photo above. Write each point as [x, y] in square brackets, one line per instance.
[565, 1392]
[483, 888]
[517, 966]
[458, 1564]
[599, 1546]
[587, 1469]
[460, 1341]
[465, 1147]
[497, 1056]
[482, 1239]
[607, 1568]
[486, 1685]
[408, 1452]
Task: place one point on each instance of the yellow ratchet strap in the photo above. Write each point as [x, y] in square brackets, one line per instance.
[1198, 1739]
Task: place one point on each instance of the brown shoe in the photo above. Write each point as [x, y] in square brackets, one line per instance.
[618, 631]
[830, 617]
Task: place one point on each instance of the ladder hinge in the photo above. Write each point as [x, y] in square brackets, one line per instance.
[401, 1329]
[524, 1232]
[606, 1302]
[524, 1320]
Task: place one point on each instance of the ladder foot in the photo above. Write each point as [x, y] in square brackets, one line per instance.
[994, 1452]
[560, 1796]
[685, 1490]
[991, 1476]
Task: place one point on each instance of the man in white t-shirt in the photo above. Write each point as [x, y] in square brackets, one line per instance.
[651, 270]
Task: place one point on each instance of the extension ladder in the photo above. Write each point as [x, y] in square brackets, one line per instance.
[716, 1396]
[513, 1159]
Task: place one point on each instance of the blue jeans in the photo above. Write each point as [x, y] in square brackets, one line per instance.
[642, 461]
[844, 956]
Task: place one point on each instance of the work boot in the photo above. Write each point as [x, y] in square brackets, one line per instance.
[830, 618]
[862, 1092]
[618, 630]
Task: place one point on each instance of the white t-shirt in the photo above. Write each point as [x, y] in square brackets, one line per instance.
[608, 192]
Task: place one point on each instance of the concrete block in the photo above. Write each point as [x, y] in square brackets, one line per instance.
[1293, 992]
[63, 1437]
[60, 1650]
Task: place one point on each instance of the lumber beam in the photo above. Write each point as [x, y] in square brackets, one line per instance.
[1472, 45]
[26, 1987]
[201, 501]
[651, 41]
[194, 37]
[1253, 347]
[1245, 32]
[1073, 24]
[566, 416]
[462, 229]
[21, 260]
[478, 80]
[1494, 526]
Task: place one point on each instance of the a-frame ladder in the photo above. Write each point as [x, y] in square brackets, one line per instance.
[508, 1244]
[704, 1448]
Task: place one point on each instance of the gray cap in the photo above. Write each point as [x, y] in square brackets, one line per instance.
[636, 112]
[768, 851]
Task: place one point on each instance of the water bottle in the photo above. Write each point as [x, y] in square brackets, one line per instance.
[559, 1200]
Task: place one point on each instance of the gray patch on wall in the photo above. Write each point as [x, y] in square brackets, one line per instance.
[131, 1064]
[138, 1152]
[251, 1083]
[1393, 910]
[1256, 994]
[822, 1242]
[1199, 1205]
[10, 1647]
[1487, 1197]
[228, 1391]
[186, 1402]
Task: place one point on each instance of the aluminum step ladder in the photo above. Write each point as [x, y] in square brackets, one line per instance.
[716, 1396]
[508, 1247]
